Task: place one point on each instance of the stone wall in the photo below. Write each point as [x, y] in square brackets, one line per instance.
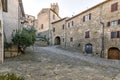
[1, 34]
[76, 28]
[45, 18]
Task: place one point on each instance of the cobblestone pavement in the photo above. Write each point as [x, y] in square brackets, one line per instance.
[50, 63]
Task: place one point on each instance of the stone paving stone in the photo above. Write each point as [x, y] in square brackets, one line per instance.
[50, 63]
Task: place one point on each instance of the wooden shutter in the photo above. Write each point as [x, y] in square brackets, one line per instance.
[72, 23]
[90, 16]
[83, 18]
[119, 21]
[118, 34]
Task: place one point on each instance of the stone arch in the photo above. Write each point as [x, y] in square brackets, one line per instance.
[57, 40]
[88, 48]
[114, 53]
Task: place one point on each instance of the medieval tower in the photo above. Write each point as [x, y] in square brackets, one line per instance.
[45, 17]
[55, 8]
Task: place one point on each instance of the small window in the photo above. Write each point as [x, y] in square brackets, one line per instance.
[71, 39]
[68, 24]
[63, 26]
[63, 39]
[53, 29]
[41, 26]
[114, 7]
[87, 34]
[72, 23]
[114, 23]
[4, 5]
[87, 17]
[113, 35]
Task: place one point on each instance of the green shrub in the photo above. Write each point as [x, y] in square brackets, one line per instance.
[9, 76]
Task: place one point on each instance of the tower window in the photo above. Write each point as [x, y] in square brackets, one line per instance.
[4, 5]
[41, 26]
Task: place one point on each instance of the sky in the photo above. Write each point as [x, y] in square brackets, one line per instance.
[67, 8]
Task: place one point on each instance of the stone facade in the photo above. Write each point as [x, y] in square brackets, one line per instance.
[13, 12]
[45, 17]
[1, 33]
[59, 32]
[93, 30]
[30, 20]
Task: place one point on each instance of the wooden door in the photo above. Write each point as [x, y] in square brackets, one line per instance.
[113, 53]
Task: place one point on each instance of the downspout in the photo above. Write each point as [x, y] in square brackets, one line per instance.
[49, 30]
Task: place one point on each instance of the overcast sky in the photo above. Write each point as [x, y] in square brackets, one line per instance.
[67, 8]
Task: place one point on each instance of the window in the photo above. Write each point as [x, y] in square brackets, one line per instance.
[114, 23]
[115, 34]
[70, 24]
[41, 26]
[4, 5]
[71, 39]
[63, 26]
[53, 29]
[114, 7]
[63, 39]
[87, 17]
[87, 34]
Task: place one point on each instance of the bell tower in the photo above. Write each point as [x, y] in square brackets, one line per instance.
[55, 8]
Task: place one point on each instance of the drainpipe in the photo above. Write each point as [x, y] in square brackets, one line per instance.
[102, 47]
[49, 30]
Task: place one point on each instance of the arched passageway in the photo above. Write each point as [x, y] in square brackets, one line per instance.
[57, 41]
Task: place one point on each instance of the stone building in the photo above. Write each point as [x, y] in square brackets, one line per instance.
[30, 20]
[13, 13]
[95, 31]
[59, 33]
[1, 33]
[45, 17]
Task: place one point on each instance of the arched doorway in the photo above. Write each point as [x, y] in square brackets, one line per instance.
[88, 48]
[57, 40]
[113, 53]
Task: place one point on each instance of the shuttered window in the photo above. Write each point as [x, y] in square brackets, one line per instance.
[53, 29]
[114, 7]
[113, 23]
[41, 26]
[115, 34]
[87, 17]
[63, 26]
[87, 34]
